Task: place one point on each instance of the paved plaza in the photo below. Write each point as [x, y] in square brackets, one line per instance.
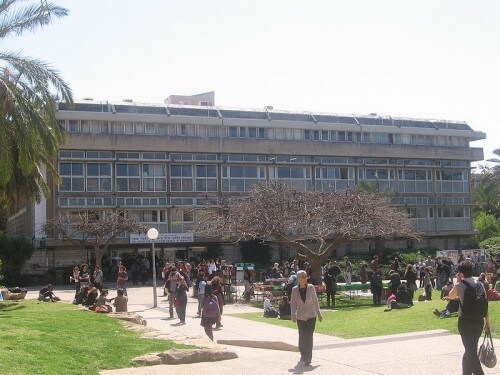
[427, 352]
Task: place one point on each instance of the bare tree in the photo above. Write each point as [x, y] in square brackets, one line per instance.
[312, 222]
[93, 229]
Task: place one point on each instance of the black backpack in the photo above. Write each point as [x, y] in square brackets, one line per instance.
[475, 305]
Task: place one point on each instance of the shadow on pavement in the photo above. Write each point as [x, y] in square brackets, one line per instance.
[301, 369]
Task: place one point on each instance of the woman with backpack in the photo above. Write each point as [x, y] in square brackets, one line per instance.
[210, 313]
[472, 315]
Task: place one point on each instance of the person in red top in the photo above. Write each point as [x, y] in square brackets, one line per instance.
[121, 281]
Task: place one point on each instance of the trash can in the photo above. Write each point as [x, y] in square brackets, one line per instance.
[59, 277]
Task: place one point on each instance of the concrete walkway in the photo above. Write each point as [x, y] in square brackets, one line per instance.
[429, 352]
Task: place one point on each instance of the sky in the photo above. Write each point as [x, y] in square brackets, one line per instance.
[422, 59]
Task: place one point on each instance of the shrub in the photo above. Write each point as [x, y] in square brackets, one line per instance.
[491, 245]
[487, 225]
[14, 252]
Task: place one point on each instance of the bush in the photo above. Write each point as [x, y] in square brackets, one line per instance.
[13, 253]
[491, 245]
[487, 225]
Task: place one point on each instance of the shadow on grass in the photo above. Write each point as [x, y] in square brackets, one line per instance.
[10, 306]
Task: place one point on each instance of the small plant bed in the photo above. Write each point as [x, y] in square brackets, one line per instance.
[365, 320]
[57, 338]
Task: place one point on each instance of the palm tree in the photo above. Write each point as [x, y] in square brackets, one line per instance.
[29, 132]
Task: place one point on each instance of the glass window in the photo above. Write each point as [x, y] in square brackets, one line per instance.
[72, 177]
[233, 132]
[252, 132]
[262, 132]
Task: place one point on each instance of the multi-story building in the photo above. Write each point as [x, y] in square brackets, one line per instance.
[158, 161]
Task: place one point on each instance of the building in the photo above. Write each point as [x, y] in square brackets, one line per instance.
[157, 161]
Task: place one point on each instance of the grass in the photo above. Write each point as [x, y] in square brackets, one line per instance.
[366, 320]
[56, 338]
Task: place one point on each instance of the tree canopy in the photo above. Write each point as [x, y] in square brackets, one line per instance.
[313, 222]
[29, 132]
[93, 229]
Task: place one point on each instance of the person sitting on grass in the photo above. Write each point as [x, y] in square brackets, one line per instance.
[451, 307]
[403, 296]
[446, 289]
[102, 303]
[46, 294]
[269, 310]
[120, 302]
[91, 298]
[285, 309]
[81, 297]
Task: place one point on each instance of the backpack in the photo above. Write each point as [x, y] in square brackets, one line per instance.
[475, 305]
[210, 308]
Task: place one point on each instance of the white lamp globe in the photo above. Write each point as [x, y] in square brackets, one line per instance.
[152, 233]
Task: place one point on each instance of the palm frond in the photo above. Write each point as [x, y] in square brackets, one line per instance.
[27, 18]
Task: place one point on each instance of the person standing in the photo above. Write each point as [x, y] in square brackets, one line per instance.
[376, 287]
[347, 270]
[76, 279]
[411, 280]
[202, 283]
[181, 299]
[98, 278]
[172, 289]
[428, 283]
[305, 310]
[84, 277]
[472, 315]
[121, 280]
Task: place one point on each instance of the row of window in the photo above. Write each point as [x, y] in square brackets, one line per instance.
[97, 177]
[143, 128]
[77, 154]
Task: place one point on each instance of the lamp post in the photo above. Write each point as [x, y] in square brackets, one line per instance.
[153, 235]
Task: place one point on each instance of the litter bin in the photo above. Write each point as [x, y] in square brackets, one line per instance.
[59, 277]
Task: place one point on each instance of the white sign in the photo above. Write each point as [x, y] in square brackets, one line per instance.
[163, 238]
[445, 254]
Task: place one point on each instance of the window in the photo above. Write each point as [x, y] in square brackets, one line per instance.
[181, 177]
[452, 181]
[316, 135]
[154, 177]
[415, 180]
[182, 220]
[206, 178]
[241, 178]
[72, 177]
[128, 177]
[324, 135]
[262, 133]
[307, 135]
[334, 178]
[243, 132]
[298, 177]
[98, 177]
[73, 126]
[252, 132]
[233, 132]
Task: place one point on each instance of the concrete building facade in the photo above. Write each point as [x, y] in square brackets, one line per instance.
[158, 161]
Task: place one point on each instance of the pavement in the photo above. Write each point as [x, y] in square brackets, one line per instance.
[427, 352]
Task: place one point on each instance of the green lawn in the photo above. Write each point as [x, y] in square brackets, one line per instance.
[366, 320]
[56, 338]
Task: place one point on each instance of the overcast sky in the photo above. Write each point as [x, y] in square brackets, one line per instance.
[428, 58]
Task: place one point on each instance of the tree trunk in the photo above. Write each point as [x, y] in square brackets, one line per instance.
[98, 252]
[379, 248]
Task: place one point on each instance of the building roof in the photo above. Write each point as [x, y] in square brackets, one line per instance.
[89, 105]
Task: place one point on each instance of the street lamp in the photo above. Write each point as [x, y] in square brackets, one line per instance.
[153, 235]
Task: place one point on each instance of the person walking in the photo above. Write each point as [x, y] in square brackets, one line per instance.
[472, 315]
[305, 310]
